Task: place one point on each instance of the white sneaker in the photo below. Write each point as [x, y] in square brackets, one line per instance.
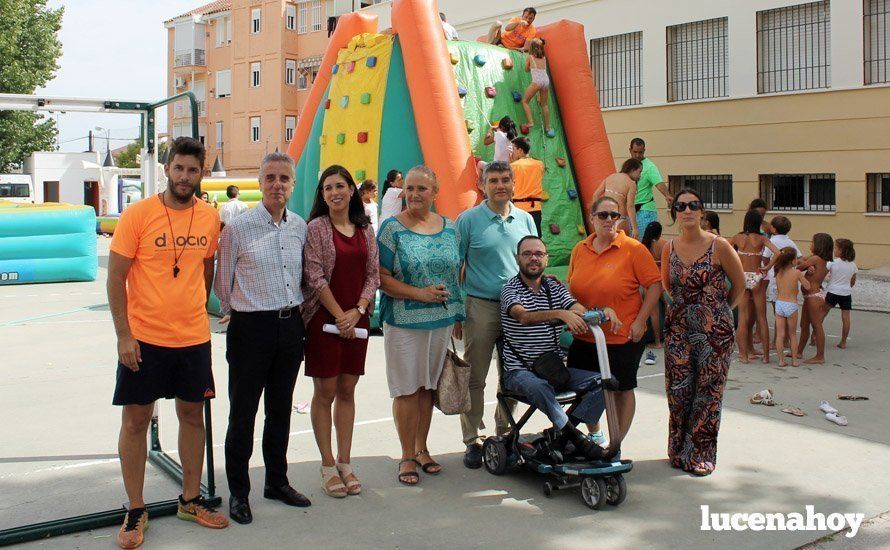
[650, 358]
[836, 418]
[825, 407]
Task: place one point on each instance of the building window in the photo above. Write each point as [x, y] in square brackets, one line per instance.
[617, 65]
[254, 129]
[303, 79]
[715, 191]
[223, 31]
[290, 18]
[223, 83]
[794, 48]
[697, 60]
[801, 192]
[290, 124]
[255, 75]
[290, 72]
[315, 12]
[256, 15]
[219, 134]
[302, 17]
[877, 41]
[878, 192]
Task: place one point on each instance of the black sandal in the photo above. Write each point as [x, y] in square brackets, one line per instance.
[408, 478]
[432, 467]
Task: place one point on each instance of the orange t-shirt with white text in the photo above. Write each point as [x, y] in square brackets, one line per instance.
[516, 39]
[162, 309]
[612, 279]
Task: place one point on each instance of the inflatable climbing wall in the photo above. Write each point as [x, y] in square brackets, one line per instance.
[391, 101]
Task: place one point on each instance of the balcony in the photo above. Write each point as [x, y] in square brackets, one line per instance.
[189, 58]
[181, 109]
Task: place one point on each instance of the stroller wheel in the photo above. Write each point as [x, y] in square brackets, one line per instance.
[548, 489]
[616, 490]
[593, 492]
[494, 456]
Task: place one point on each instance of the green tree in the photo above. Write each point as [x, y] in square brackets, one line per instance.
[129, 157]
[29, 51]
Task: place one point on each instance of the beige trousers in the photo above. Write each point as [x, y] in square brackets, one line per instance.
[481, 331]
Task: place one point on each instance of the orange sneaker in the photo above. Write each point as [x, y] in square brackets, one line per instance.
[200, 511]
[132, 531]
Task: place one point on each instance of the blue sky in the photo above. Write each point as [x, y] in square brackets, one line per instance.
[111, 49]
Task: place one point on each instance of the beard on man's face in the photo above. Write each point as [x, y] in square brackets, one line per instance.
[532, 272]
[179, 193]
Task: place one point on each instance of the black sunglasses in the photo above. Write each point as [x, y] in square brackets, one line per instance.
[606, 215]
[679, 206]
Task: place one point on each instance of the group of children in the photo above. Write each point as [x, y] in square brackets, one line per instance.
[777, 271]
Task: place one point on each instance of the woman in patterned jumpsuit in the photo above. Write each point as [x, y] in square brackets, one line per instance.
[699, 334]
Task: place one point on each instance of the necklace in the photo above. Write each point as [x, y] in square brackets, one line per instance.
[177, 255]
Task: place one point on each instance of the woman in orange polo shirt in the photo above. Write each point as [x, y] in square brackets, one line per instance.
[607, 269]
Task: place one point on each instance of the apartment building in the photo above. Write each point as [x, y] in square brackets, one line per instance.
[779, 99]
[250, 63]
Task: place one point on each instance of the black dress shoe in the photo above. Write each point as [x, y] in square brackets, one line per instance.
[239, 510]
[287, 495]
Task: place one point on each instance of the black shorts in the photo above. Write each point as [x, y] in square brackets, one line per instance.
[164, 372]
[846, 302]
[624, 360]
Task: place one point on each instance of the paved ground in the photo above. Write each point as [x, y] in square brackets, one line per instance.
[58, 453]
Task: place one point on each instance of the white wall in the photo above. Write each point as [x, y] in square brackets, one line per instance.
[67, 169]
[601, 18]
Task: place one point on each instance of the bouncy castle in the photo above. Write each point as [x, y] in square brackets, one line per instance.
[393, 100]
[45, 243]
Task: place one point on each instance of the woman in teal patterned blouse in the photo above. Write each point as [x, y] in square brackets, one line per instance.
[419, 276]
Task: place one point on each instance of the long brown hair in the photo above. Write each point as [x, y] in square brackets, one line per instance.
[845, 247]
[785, 258]
[823, 246]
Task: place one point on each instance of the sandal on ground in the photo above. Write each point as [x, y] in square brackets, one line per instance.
[432, 467]
[763, 397]
[336, 489]
[353, 485]
[702, 469]
[794, 410]
[408, 478]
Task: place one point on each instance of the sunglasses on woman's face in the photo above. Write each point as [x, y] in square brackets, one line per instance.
[606, 215]
[695, 206]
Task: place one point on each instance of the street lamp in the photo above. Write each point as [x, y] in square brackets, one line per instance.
[107, 138]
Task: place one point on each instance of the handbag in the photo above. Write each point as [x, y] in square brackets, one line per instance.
[452, 395]
[549, 365]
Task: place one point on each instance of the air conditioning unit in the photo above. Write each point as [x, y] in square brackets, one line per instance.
[178, 82]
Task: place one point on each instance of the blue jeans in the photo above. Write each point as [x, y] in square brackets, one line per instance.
[644, 218]
[542, 395]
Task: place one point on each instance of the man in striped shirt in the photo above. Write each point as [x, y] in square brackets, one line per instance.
[531, 306]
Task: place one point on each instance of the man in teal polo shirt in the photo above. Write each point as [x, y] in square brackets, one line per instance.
[489, 234]
[647, 210]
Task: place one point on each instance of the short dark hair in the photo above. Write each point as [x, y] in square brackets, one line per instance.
[757, 203]
[781, 224]
[528, 238]
[522, 143]
[189, 147]
[496, 166]
[637, 142]
[630, 165]
[713, 220]
[848, 253]
[532, 11]
[604, 198]
[684, 191]
[391, 176]
[232, 191]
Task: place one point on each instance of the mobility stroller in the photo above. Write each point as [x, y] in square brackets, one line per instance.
[600, 480]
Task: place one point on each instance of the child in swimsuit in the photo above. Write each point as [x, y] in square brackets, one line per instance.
[750, 244]
[622, 187]
[816, 268]
[536, 64]
[788, 283]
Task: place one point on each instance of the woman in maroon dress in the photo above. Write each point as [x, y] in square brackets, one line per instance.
[341, 276]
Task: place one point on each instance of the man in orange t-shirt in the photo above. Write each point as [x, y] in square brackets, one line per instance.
[159, 274]
[528, 180]
[517, 33]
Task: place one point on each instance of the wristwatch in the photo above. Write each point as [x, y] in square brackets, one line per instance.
[361, 310]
